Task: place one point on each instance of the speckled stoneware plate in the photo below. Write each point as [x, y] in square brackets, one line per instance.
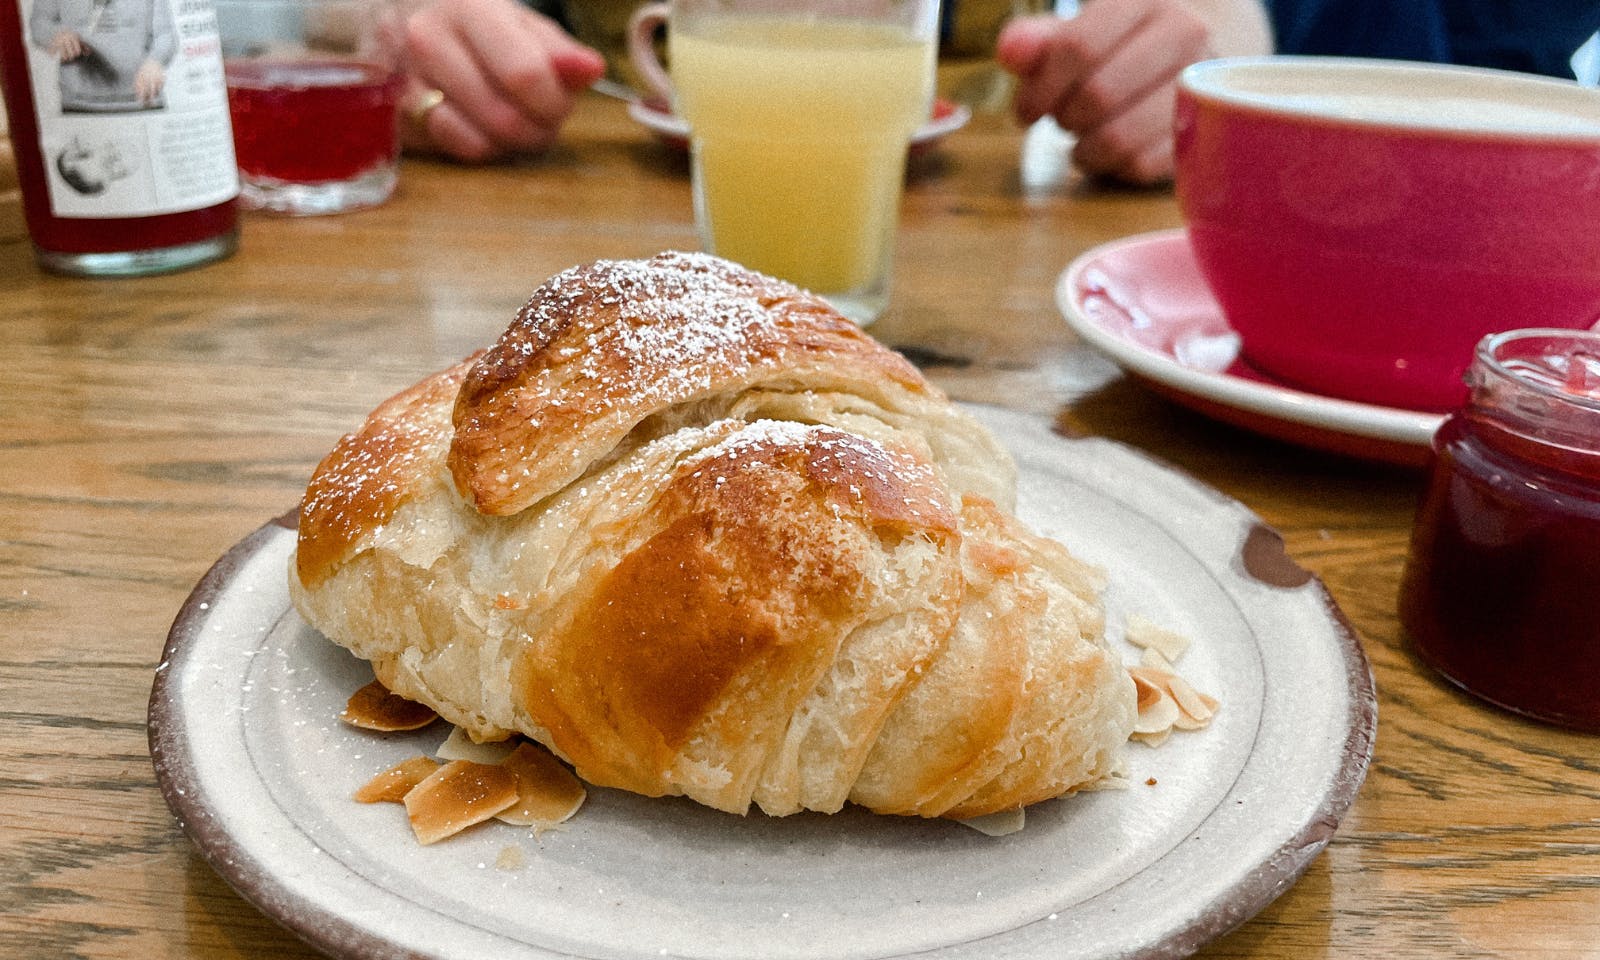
[259, 772]
[1143, 302]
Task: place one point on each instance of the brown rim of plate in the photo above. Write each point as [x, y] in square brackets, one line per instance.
[1264, 558]
[1253, 892]
[331, 933]
[169, 753]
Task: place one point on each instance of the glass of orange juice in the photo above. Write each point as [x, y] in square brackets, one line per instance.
[800, 113]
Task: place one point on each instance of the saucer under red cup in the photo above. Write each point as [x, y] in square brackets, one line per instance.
[1365, 223]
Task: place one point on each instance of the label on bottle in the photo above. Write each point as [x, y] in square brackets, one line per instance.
[132, 106]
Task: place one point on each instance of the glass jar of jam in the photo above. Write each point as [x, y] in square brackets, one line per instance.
[1501, 593]
[119, 119]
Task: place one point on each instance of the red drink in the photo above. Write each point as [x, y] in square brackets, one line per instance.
[1502, 591]
[108, 244]
[313, 121]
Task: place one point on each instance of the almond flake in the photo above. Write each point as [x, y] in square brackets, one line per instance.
[547, 792]
[1155, 739]
[1152, 658]
[1157, 717]
[392, 785]
[460, 746]
[1191, 722]
[1149, 691]
[1143, 633]
[1191, 709]
[456, 796]
[999, 824]
[1188, 698]
[373, 707]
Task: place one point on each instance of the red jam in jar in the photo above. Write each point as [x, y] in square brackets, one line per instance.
[119, 119]
[1501, 594]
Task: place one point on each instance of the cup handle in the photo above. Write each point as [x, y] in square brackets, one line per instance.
[642, 49]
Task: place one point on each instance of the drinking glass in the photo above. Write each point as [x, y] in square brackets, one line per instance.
[799, 115]
[314, 90]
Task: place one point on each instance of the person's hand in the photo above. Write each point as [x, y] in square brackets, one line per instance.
[1108, 75]
[65, 45]
[148, 81]
[508, 77]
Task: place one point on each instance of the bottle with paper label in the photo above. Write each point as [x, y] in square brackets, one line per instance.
[119, 119]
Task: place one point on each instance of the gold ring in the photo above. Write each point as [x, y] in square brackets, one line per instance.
[425, 104]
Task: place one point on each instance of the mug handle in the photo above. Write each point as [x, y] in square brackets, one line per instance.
[642, 49]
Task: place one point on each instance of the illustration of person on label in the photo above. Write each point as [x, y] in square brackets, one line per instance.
[91, 169]
[113, 53]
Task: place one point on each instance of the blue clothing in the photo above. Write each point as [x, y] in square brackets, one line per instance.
[1532, 36]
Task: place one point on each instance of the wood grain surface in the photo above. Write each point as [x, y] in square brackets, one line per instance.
[146, 425]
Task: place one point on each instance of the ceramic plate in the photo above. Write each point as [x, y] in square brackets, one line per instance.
[1142, 301]
[1214, 825]
[948, 117]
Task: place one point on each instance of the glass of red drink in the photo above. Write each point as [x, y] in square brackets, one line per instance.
[314, 90]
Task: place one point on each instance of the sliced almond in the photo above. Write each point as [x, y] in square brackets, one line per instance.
[1166, 701]
[1191, 722]
[1194, 709]
[1155, 739]
[460, 746]
[373, 707]
[999, 824]
[1149, 691]
[393, 784]
[456, 796]
[547, 792]
[1157, 717]
[1152, 658]
[1144, 633]
[1188, 699]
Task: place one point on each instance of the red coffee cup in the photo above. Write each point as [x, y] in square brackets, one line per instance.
[1365, 223]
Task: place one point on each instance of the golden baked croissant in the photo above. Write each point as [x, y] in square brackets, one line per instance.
[698, 534]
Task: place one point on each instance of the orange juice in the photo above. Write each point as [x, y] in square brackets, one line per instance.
[799, 129]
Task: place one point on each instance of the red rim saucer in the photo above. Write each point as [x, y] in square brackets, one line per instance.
[1142, 301]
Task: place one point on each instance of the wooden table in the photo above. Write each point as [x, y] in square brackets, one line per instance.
[146, 425]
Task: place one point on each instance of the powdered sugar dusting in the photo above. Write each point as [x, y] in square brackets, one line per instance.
[600, 348]
[858, 467]
[690, 317]
[770, 433]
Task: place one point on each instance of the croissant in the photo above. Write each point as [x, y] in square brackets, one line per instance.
[700, 535]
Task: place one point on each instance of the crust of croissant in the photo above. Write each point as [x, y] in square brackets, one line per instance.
[369, 474]
[760, 562]
[735, 601]
[1027, 702]
[602, 348]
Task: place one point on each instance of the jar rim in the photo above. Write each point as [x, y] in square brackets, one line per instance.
[1489, 355]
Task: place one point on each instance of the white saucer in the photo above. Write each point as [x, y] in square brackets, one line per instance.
[672, 128]
[1142, 301]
